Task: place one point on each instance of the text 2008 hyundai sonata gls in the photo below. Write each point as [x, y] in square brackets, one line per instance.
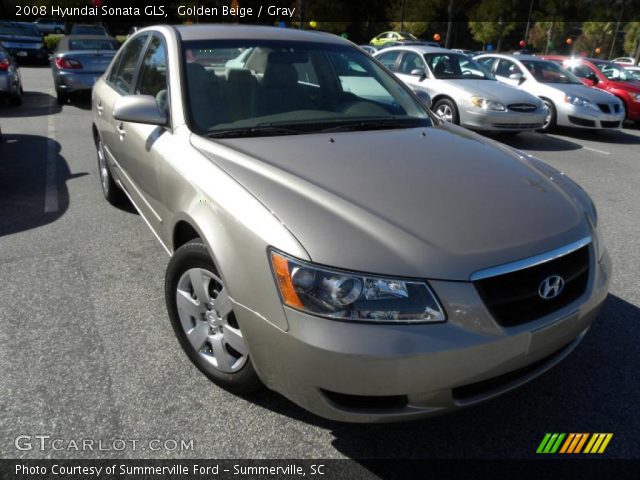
[328, 237]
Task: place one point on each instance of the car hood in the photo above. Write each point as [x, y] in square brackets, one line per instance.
[590, 93]
[436, 202]
[494, 90]
[633, 86]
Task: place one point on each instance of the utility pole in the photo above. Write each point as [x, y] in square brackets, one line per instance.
[402, 16]
[615, 35]
[449, 25]
[526, 30]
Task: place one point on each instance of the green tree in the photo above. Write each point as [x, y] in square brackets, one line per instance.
[632, 38]
[595, 35]
[492, 20]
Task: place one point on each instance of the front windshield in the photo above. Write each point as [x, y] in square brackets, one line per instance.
[549, 72]
[408, 35]
[634, 73]
[275, 87]
[614, 72]
[456, 66]
[18, 29]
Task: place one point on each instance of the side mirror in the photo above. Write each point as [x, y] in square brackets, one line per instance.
[424, 97]
[593, 77]
[419, 72]
[139, 109]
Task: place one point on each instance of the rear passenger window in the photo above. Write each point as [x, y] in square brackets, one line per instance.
[153, 72]
[123, 72]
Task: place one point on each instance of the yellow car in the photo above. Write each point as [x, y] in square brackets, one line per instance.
[387, 37]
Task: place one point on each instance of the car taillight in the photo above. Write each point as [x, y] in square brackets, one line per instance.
[4, 64]
[68, 63]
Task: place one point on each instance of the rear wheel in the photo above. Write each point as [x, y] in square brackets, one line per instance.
[110, 190]
[61, 98]
[203, 319]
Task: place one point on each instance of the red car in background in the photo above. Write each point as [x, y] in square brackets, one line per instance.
[608, 76]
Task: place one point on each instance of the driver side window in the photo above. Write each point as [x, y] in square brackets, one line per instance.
[410, 61]
[153, 73]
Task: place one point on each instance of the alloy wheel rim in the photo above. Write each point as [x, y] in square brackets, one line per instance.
[445, 113]
[102, 165]
[207, 319]
[547, 118]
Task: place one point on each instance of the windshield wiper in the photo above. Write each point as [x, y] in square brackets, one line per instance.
[375, 125]
[265, 131]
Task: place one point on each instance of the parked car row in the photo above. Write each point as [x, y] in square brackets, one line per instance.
[515, 93]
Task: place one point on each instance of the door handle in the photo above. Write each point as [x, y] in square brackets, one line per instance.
[120, 129]
[99, 107]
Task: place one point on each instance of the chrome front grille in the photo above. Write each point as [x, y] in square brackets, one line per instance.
[513, 297]
[522, 107]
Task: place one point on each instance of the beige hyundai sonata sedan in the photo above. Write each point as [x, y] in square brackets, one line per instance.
[329, 237]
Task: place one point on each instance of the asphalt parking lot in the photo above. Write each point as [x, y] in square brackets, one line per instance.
[88, 351]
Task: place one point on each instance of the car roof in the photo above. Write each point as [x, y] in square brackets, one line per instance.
[251, 32]
[420, 49]
[511, 56]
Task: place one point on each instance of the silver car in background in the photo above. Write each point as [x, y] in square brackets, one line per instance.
[570, 103]
[79, 60]
[329, 237]
[10, 79]
[463, 92]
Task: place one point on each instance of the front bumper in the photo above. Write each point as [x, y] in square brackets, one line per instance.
[28, 53]
[508, 121]
[577, 117]
[374, 373]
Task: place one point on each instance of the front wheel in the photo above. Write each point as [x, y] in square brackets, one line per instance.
[447, 110]
[551, 118]
[203, 319]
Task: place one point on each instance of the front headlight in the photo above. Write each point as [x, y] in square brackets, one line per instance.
[343, 295]
[488, 104]
[579, 102]
[636, 97]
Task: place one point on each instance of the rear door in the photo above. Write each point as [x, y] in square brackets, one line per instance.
[119, 81]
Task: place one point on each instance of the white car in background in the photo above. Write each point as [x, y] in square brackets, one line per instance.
[462, 91]
[624, 60]
[635, 71]
[570, 103]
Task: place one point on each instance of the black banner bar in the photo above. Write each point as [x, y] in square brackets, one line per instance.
[534, 469]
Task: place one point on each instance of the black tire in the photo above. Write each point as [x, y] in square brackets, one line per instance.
[110, 189]
[194, 254]
[550, 121]
[61, 98]
[447, 105]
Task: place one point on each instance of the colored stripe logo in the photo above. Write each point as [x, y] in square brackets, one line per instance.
[593, 443]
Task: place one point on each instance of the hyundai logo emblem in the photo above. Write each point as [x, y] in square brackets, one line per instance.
[551, 287]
